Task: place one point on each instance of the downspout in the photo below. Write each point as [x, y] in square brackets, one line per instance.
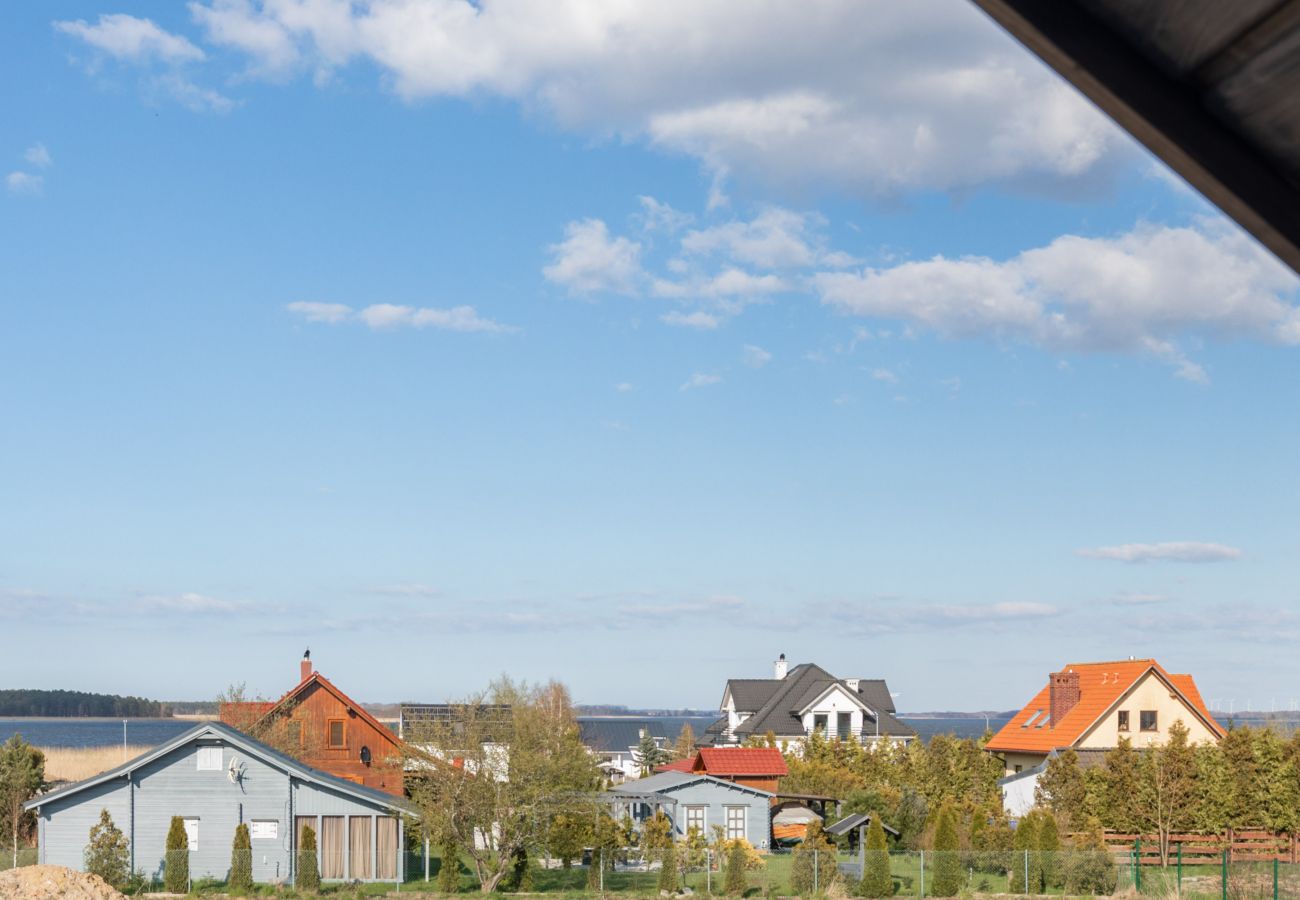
[130, 790]
[293, 832]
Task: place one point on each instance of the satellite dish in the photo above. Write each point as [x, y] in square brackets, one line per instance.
[236, 771]
[365, 756]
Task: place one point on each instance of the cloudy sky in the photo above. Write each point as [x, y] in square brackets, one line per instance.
[625, 343]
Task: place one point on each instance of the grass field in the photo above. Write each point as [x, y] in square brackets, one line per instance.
[76, 763]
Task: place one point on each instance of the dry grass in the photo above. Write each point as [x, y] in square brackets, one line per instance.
[76, 763]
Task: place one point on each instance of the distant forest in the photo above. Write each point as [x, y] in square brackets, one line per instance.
[78, 703]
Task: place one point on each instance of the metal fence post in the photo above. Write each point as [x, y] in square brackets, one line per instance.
[1180, 870]
[1025, 885]
[708, 871]
[815, 867]
[1224, 886]
[1137, 864]
[1275, 878]
[922, 884]
[602, 870]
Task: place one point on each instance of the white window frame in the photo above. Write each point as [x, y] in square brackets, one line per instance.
[264, 830]
[704, 819]
[743, 812]
[192, 831]
[205, 757]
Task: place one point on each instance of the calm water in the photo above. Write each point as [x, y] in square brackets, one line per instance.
[148, 732]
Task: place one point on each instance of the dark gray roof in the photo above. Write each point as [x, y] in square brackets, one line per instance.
[664, 782]
[248, 745]
[749, 694]
[856, 820]
[800, 687]
[611, 734]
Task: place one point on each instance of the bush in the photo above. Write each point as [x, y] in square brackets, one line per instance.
[1024, 870]
[734, 885]
[308, 870]
[241, 863]
[449, 868]
[108, 854]
[947, 858]
[1049, 847]
[176, 871]
[1089, 868]
[813, 868]
[668, 874]
[876, 878]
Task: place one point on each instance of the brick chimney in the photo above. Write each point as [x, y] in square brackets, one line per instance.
[304, 668]
[1064, 694]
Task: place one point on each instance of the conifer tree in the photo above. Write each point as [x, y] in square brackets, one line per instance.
[685, 746]
[241, 862]
[108, 854]
[1021, 868]
[669, 879]
[1061, 787]
[1049, 851]
[176, 870]
[735, 883]
[1090, 868]
[648, 753]
[876, 878]
[814, 853]
[308, 877]
[947, 862]
[449, 867]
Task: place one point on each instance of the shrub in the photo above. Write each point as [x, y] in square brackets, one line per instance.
[734, 884]
[1089, 868]
[308, 869]
[449, 868]
[108, 854]
[1049, 851]
[947, 858]
[176, 870]
[668, 875]
[813, 868]
[241, 862]
[876, 878]
[1022, 866]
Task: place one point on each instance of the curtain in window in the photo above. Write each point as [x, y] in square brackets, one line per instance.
[386, 845]
[331, 847]
[359, 846]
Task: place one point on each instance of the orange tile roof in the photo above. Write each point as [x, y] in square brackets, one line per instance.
[677, 765]
[736, 761]
[1100, 686]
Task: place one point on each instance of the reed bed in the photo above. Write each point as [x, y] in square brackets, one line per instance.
[76, 763]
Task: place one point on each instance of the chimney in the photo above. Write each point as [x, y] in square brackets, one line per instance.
[304, 668]
[780, 667]
[1064, 694]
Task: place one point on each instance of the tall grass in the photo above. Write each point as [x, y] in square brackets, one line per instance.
[76, 763]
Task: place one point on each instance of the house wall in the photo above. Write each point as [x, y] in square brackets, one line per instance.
[1150, 693]
[716, 798]
[1018, 794]
[173, 786]
[835, 702]
[1025, 761]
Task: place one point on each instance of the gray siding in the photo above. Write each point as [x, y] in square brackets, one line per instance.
[716, 797]
[65, 844]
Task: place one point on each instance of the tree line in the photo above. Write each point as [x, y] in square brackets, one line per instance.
[59, 704]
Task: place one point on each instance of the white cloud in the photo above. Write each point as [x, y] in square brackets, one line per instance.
[405, 590]
[776, 238]
[383, 316]
[699, 380]
[175, 86]
[1170, 551]
[24, 183]
[188, 604]
[1132, 599]
[588, 260]
[895, 617]
[756, 357]
[657, 216]
[729, 284]
[624, 387]
[1137, 291]
[39, 156]
[884, 375]
[131, 39]
[331, 313]
[698, 319]
[873, 97]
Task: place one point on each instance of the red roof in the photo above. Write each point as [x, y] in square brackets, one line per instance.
[1101, 685]
[677, 765]
[741, 761]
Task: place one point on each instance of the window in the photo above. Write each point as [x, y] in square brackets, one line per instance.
[819, 722]
[1147, 720]
[844, 725]
[336, 736]
[695, 818]
[1123, 720]
[209, 759]
[735, 822]
[1018, 768]
[264, 830]
[192, 832]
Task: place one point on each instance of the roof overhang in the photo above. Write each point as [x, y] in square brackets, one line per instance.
[832, 688]
[1234, 151]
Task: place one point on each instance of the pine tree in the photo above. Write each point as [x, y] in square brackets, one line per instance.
[876, 878]
[1049, 851]
[1021, 865]
[449, 868]
[1122, 787]
[108, 854]
[947, 879]
[176, 870]
[669, 879]
[1061, 787]
[308, 870]
[648, 753]
[241, 862]
[735, 883]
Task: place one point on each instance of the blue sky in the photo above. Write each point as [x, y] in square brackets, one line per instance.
[627, 345]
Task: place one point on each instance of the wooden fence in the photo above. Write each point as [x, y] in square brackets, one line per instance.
[1243, 845]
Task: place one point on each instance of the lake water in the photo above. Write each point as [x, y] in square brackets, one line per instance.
[149, 732]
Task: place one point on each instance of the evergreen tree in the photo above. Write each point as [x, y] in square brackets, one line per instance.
[449, 867]
[241, 862]
[1049, 851]
[735, 883]
[1214, 795]
[176, 870]
[519, 876]
[669, 876]
[685, 746]
[308, 877]
[1061, 787]
[876, 878]
[22, 775]
[1122, 783]
[815, 854]
[108, 854]
[1090, 869]
[1167, 789]
[1021, 866]
[648, 753]
[947, 879]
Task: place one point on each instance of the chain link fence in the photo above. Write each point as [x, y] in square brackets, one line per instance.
[23, 856]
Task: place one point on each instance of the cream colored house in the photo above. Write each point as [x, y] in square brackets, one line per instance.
[1093, 705]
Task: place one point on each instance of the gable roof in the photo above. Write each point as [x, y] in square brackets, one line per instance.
[780, 712]
[250, 746]
[740, 761]
[666, 782]
[615, 734]
[1101, 686]
[319, 680]
[686, 764]
[749, 694]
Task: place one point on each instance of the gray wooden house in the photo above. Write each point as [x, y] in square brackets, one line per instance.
[693, 800]
[216, 777]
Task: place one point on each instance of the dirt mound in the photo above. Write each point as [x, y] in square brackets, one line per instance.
[53, 883]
